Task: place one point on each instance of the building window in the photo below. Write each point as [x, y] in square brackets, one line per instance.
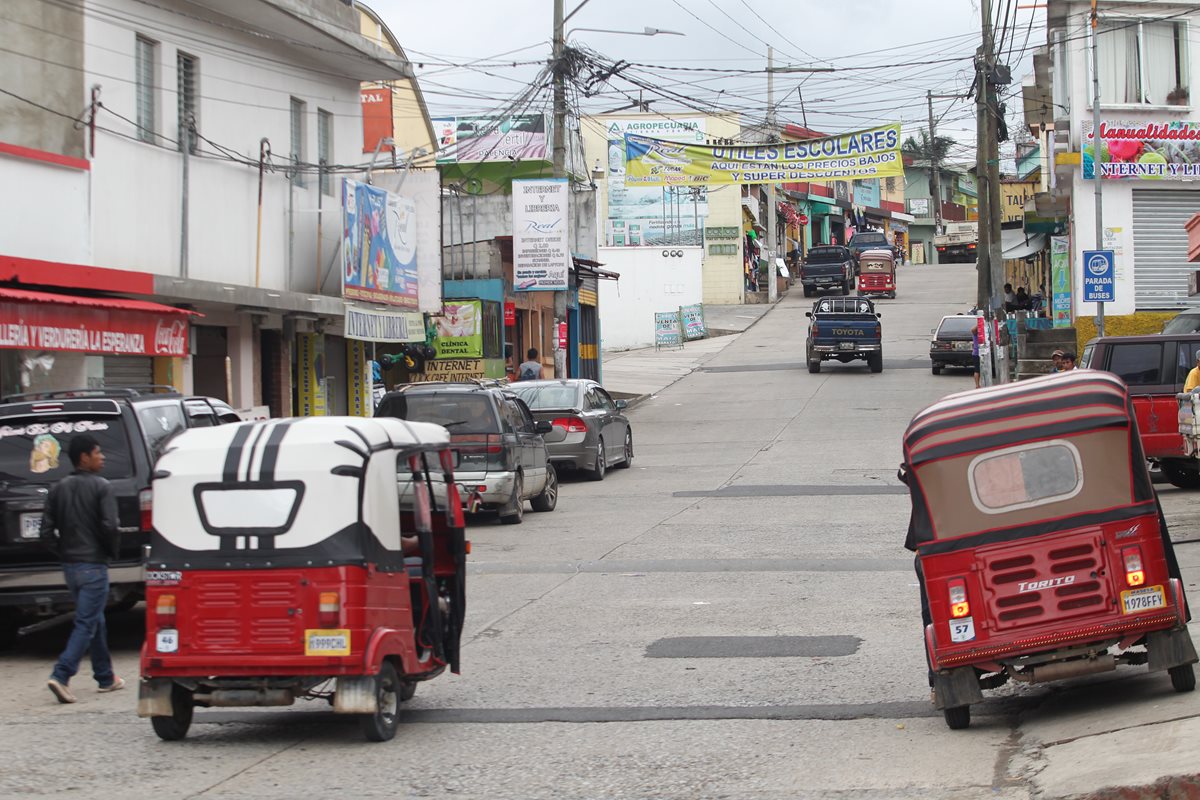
[297, 151]
[145, 65]
[187, 71]
[1143, 61]
[325, 148]
[1060, 86]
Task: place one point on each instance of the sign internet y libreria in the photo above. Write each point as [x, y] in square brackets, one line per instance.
[871, 153]
[541, 246]
[1155, 150]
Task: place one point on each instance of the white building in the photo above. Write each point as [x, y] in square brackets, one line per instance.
[101, 94]
[1147, 73]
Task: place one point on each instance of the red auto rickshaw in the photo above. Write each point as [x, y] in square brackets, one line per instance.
[877, 273]
[1042, 551]
[320, 557]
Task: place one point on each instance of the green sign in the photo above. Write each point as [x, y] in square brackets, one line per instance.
[732, 232]
[459, 329]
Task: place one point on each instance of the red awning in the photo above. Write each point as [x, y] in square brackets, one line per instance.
[114, 303]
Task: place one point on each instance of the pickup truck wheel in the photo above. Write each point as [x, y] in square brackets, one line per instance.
[1183, 477]
[937, 369]
[846, 287]
[957, 718]
[814, 366]
[875, 362]
[809, 291]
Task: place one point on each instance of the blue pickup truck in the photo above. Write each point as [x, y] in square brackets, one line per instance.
[846, 329]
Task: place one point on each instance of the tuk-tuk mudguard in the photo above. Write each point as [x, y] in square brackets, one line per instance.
[956, 687]
[1168, 649]
[154, 697]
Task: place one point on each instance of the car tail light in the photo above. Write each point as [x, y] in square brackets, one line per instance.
[571, 424]
[495, 444]
[878, 329]
[1135, 573]
[959, 606]
[146, 508]
[970, 247]
[329, 607]
[816, 329]
[164, 610]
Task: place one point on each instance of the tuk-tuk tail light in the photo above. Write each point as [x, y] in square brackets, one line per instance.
[1135, 573]
[329, 606]
[164, 610]
[959, 605]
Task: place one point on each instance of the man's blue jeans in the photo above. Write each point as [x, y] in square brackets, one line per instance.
[89, 586]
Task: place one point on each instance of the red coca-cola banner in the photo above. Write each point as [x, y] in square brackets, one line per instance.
[100, 331]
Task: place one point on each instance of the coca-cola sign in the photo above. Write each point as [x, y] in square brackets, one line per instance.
[98, 331]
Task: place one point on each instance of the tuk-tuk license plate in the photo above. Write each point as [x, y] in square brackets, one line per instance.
[1146, 599]
[327, 642]
[31, 526]
[167, 641]
[962, 630]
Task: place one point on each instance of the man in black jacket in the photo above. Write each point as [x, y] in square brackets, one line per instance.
[81, 516]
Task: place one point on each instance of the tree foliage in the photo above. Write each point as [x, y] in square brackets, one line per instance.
[922, 149]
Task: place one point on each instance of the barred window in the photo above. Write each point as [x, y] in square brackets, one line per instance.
[187, 73]
[145, 67]
[325, 148]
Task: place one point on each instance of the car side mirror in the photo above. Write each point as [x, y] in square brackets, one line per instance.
[878, 315]
[808, 314]
[622, 404]
[543, 426]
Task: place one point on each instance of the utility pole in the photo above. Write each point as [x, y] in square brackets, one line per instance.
[772, 214]
[560, 165]
[1097, 182]
[935, 168]
[983, 283]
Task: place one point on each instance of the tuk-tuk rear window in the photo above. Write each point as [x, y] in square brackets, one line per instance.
[265, 509]
[34, 449]
[458, 412]
[1026, 476]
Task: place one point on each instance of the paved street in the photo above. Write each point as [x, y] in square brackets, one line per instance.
[762, 504]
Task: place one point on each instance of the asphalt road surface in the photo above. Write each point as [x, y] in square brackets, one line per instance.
[733, 617]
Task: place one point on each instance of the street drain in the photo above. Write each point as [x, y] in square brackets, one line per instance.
[753, 647]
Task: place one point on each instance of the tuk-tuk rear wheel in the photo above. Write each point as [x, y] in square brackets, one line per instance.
[957, 718]
[1183, 678]
[175, 727]
[381, 726]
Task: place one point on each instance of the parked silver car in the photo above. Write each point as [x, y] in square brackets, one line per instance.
[591, 433]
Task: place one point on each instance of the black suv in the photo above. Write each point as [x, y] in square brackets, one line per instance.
[132, 425]
[953, 343]
[498, 446]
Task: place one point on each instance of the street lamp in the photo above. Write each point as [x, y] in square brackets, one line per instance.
[647, 31]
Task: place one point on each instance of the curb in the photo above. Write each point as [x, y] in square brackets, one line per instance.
[1183, 787]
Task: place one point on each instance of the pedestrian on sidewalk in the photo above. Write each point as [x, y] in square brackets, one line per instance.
[531, 368]
[81, 519]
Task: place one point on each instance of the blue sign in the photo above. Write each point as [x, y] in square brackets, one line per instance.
[1098, 271]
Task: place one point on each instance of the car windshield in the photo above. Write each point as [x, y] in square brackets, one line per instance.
[34, 449]
[1184, 323]
[869, 238]
[550, 396]
[458, 412]
[957, 326]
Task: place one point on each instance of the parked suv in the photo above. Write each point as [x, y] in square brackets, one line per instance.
[499, 450]
[132, 426]
[1154, 367]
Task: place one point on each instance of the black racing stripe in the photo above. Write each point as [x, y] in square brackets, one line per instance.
[1019, 532]
[271, 451]
[258, 434]
[1014, 412]
[974, 444]
[233, 456]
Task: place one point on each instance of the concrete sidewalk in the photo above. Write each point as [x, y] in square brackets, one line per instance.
[639, 373]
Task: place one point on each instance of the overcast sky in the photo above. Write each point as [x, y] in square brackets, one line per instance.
[897, 50]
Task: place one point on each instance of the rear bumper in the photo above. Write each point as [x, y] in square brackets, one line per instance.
[834, 350]
[953, 358]
[576, 455]
[43, 586]
[498, 486]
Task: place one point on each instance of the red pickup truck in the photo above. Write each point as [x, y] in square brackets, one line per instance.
[1154, 368]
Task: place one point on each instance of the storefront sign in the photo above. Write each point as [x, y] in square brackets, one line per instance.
[510, 314]
[473, 139]
[378, 120]
[310, 374]
[459, 329]
[722, 234]
[666, 329]
[97, 331]
[358, 379]
[867, 193]
[379, 248]
[1144, 150]
[919, 207]
[451, 370]
[693, 321]
[372, 325]
[541, 247]
[1060, 280]
[872, 153]
[646, 215]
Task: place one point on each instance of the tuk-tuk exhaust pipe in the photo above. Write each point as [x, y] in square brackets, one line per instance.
[245, 697]
[1060, 670]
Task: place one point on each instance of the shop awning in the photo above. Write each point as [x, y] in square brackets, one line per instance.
[750, 205]
[1017, 245]
[110, 303]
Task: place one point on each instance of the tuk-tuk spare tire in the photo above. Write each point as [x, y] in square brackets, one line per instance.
[175, 727]
[381, 726]
[1184, 477]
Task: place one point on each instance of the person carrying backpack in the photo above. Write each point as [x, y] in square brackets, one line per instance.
[531, 368]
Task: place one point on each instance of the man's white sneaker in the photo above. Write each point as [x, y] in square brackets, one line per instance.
[118, 683]
[60, 691]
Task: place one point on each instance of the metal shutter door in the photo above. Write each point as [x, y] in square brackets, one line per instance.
[1160, 245]
[128, 370]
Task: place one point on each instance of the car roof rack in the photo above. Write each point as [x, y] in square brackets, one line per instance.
[137, 390]
[478, 383]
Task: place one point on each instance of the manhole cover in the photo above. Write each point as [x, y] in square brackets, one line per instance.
[753, 647]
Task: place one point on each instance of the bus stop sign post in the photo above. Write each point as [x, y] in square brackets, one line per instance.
[1099, 270]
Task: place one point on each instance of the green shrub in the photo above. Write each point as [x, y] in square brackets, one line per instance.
[1142, 322]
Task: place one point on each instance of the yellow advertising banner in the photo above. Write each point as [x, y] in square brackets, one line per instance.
[451, 370]
[358, 388]
[310, 374]
[870, 153]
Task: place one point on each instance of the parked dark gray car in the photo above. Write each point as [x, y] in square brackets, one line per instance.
[591, 433]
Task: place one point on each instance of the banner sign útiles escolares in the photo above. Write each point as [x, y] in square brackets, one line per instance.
[1147, 150]
[872, 153]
